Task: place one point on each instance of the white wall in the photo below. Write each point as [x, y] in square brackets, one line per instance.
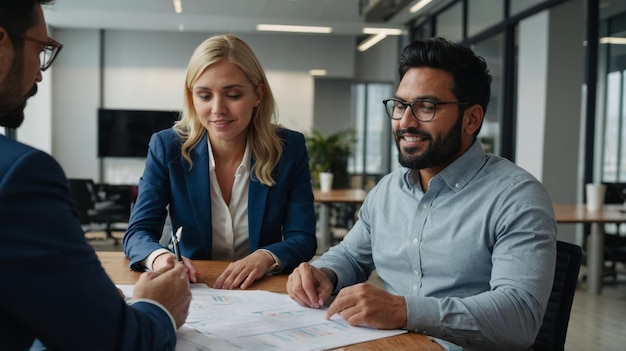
[76, 92]
[333, 105]
[560, 131]
[293, 92]
[566, 57]
[550, 80]
[35, 130]
[380, 62]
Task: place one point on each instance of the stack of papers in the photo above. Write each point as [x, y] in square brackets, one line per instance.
[261, 320]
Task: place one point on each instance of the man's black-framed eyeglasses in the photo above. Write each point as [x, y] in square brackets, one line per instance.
[422, 109]
[49, 51]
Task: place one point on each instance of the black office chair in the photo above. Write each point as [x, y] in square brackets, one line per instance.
[553, 329]
[98, 214]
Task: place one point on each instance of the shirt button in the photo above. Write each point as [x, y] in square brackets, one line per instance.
[417, 273]
[416, 241]
[414, 287]
[457, 185]
[425, 206]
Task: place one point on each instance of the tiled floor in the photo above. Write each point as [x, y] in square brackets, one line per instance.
[598, 322]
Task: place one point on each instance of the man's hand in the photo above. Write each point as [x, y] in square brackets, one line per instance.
[367, 305]
[168, 260]
[169, 287]
[242, 273]
[309, 286]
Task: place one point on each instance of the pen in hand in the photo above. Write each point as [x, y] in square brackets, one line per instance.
[175, 243]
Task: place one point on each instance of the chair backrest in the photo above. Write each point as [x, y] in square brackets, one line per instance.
[553, 329]
[123, 198]
[81, 191]
[615, 193]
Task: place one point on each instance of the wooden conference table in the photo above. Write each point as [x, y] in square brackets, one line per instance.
[326, 199]
[116, 266]
[578, 214]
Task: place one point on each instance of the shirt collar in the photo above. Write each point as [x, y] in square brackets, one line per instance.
[458, 173]
[464, 169]
[245, 161]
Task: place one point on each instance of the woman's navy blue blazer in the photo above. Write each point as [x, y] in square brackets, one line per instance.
[281, 218]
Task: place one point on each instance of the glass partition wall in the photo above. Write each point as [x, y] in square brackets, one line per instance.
[372, 156]
[612, 98]
[492, 50]
[357, 105]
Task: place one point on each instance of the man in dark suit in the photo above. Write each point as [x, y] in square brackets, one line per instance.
[52, 286]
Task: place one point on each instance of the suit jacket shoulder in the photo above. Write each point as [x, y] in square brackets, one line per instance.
[51, 277]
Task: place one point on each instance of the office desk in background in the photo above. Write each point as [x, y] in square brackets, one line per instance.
[116, 266]
[578, 214]
[326, 199]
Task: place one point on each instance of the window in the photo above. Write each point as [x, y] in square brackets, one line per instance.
[450, 23]
[373, 132]
[482, 14]
[518, 6]
[492, 50]
[613, 139]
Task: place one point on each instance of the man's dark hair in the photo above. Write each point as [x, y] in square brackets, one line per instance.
[471, 78]
[16, 16]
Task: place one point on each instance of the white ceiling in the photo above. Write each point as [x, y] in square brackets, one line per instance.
[210, 15]
[238, 16]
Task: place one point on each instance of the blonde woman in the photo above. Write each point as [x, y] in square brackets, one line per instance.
[237, 184]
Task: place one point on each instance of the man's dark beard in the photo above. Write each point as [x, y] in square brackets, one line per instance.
[12, 105]
[14, 118]
[439, 152]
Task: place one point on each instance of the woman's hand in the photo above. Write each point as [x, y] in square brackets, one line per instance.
[167, 261]
[242, 273]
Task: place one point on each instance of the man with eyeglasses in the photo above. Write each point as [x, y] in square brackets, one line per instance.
[464, 242]
[53, 290]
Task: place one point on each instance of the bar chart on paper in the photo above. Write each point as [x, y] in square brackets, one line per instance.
[300, 338]
[278, 323]
[261, 320]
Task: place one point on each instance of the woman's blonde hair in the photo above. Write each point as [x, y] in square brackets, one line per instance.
[265, 144]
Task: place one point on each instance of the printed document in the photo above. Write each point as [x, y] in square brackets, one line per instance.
[261, 320]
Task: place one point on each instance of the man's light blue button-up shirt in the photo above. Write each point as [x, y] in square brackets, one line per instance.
[474, 256]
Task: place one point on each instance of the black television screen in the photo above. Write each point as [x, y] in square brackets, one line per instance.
[126, 133]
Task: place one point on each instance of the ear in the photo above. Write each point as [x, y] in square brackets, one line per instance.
[472, 119]
[259, 93]
[6, 50]
[4, 36]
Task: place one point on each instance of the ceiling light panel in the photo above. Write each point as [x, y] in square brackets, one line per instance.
[178, 6]
[419, 5]
[371, 41]
[613, 40]
[388, 31]
[293, 29]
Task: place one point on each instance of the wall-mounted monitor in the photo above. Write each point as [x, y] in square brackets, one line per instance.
[126, 133]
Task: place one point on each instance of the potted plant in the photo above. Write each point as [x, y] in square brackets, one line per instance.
[330, 153]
